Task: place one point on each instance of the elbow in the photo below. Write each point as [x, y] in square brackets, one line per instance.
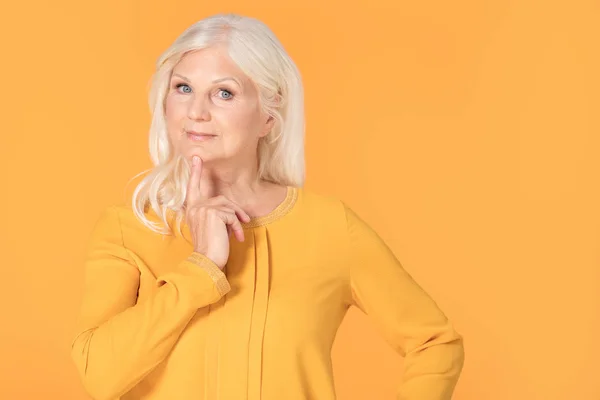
[99, 386]
[450, 342]
[99, 389]
[98, 393]
[444, 352]
[455, 344]
[457, 353]
[452, 351]
[98, 383]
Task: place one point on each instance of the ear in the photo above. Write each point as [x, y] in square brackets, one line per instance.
[267, 126]
[270, 122]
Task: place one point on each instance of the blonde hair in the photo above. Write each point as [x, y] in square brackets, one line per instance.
[260, 55]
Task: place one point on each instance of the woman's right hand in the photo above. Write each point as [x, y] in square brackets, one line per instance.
[211, 220]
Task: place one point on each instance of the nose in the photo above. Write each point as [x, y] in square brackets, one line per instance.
[199, 109]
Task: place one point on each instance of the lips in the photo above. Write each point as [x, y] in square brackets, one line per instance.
[199, 136]
[199, 133]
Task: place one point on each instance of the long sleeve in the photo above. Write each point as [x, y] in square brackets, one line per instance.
[119, 340]
[405, 315]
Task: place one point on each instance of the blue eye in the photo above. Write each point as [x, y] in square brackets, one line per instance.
[229, 96]
[183, 84]
[187, 89]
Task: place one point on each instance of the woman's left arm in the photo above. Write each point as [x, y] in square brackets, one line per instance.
[407, 317]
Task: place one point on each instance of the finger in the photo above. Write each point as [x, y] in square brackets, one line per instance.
[193, 187]
[242, 215]
[232, 220]
[230, 209]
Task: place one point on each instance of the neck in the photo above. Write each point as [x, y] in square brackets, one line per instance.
[240, 184]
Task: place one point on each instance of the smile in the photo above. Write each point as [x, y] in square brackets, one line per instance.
[198, 137]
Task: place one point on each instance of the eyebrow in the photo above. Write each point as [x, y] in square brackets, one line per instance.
[215, 81]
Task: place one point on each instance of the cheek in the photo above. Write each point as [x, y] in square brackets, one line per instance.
[243, 121]
[175, 112]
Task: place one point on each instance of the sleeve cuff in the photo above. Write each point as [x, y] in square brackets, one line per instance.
[213, 270]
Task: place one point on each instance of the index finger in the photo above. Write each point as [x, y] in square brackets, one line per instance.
[193, 187]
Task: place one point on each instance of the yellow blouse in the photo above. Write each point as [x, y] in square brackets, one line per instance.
[159, 321]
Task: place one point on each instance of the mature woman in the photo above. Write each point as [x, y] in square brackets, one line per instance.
[224, 278]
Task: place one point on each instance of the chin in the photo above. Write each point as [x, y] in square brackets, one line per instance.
[206, 157]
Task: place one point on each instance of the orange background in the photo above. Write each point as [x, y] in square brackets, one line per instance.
[465, 132]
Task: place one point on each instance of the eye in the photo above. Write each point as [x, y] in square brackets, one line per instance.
[228, 93]
[187, 89]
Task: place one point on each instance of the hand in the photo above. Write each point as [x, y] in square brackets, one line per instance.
[211, 220]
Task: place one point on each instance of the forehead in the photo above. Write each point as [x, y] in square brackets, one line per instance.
[209, 63]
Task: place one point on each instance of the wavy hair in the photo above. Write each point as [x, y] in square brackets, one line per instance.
[260, 55]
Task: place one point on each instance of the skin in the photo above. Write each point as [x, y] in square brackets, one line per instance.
[209, 93]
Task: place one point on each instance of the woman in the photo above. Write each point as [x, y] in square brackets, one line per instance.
[225, 279]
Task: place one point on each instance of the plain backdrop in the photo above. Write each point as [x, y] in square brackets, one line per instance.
[465, 132]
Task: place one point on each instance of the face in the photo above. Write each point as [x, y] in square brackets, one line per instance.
[208, 94]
